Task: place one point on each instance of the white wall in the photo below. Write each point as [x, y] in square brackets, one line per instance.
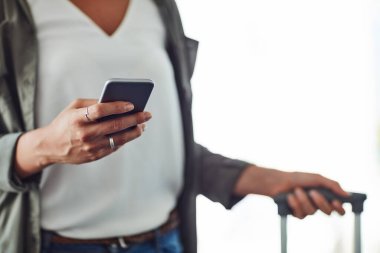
[291, 85]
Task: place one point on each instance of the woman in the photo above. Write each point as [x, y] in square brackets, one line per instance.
[63, 187]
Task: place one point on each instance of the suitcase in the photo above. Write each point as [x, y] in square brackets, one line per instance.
[355, 199]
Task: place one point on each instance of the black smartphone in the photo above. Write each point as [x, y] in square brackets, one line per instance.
[135, 91]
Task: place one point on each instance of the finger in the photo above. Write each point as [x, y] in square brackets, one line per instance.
[320, 202]
[119, 124]
[100, 110]
[124, 137]
[82, 102]
[306, 205]
[120, 139]
[295, 206]
[337, 205]
[96, 131]
[316, 180]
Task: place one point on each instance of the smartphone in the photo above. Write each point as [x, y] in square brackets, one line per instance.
[135, 91]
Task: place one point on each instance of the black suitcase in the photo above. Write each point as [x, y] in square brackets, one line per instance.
[356, 200]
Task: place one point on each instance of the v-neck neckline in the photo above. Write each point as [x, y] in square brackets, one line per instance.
[99, 29]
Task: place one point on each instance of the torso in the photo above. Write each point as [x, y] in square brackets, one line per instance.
[135, 188]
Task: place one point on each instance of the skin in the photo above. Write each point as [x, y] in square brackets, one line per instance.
[107, 14]
[71, 139]
[270, 182]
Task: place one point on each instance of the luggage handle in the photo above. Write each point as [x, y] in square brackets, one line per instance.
[355, 199]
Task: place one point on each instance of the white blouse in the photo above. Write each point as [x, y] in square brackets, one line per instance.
[134, 189]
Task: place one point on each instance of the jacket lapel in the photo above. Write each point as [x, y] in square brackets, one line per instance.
[26, 10]
[176, 46]
[25, 56]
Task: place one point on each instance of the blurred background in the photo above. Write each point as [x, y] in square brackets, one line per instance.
[292, 85]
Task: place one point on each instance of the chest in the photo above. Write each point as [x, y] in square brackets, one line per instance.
[106, 14]
[76, 58]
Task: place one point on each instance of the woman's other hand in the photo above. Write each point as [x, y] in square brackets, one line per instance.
[77, 136]
[271, 182]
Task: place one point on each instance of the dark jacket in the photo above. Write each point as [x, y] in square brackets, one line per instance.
[205, 173]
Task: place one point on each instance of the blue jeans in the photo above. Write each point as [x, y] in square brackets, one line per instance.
[163, 243]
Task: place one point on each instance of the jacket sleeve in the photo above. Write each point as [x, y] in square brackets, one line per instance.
[9, 182]
[218, 176]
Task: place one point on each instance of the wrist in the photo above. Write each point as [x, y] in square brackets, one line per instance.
[246, 182]
[32, 153]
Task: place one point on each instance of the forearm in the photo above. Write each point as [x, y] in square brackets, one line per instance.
[31, 153]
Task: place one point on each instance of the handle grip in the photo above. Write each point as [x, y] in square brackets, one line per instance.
[355, 199]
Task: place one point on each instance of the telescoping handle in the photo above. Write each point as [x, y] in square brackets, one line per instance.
[355, 199]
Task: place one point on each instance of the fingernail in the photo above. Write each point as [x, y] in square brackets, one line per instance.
[147, 115]
[129, 107]
[143, 126]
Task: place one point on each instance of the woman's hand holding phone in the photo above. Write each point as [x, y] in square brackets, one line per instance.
[77, 136]
[86, 137]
